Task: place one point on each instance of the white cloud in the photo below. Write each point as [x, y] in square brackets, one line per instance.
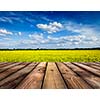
[4, 32]
[86, 34]
[75, 40]
[7, 39]
[36, 36]
[86, 37]
[53, 38]
[79, 40]
[81, 29]
[46, 19]
[6, 19]
[51, 27]
[9, 44]
[19, 33]
[28, 42]
[11, 19]
[30, 20]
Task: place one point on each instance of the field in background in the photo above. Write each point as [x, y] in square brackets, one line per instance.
[50, 56]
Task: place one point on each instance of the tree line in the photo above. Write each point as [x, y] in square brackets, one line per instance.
[98, 48]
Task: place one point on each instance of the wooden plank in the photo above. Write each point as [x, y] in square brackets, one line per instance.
[91, 65]
[92, 70]
[34, 79]
[90, 78]
[72, 80]
[53, 79]
[5, 64]
[2, 63]
[95, 64]
[11, 70]
[98, 63]
[18, 74]
[9, 66]
[14, 83]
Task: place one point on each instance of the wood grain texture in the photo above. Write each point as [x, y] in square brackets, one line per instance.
[34, 79]
[53, 79]
[5, 64]
[72, 79]
[92, 65]
[88, 68]
[9, 66]
[49, 75]
[18, 74]
[11, 70]
[13, 84]
[90, 78]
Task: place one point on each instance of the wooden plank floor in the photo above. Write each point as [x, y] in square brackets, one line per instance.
[49, 75]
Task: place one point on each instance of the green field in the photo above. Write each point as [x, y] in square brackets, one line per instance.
[50, 55]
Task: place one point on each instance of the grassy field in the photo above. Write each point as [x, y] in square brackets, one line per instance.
[50, 56]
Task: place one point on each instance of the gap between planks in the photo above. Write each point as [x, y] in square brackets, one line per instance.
[49, 75]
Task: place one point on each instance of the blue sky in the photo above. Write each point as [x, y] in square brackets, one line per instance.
[49, 29]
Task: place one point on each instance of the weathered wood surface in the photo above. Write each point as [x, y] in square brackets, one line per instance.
[49, 75]
[53, 78]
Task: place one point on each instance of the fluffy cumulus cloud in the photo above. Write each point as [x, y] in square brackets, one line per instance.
[4, 32]
[86, 37]
[86, 33]
[73, 41]
[79, 28]
[37, 38]
[30, 31]
[51, 27]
